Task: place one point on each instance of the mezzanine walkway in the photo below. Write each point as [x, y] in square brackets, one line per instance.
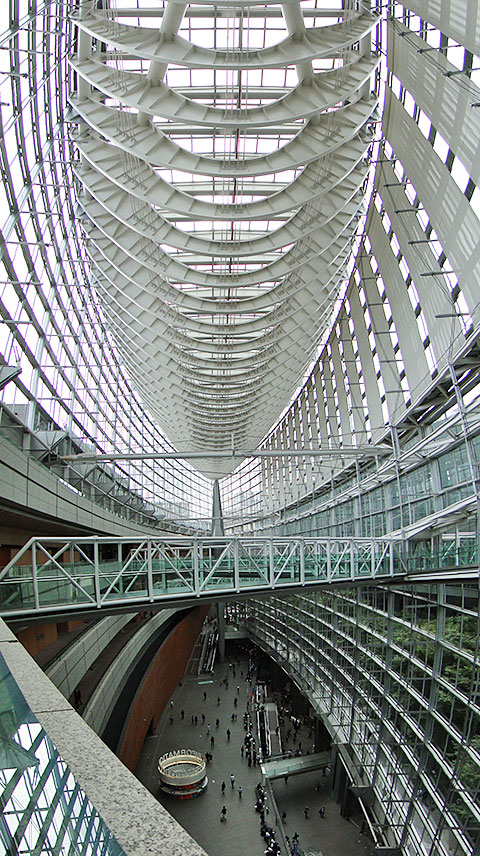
[52, 576]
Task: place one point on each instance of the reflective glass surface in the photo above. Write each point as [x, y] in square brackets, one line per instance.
[44, 811]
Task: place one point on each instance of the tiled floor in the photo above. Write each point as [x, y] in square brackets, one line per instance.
[331, 836]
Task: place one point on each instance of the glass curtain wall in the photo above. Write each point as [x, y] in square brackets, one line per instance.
[394, 675]
[71, 389]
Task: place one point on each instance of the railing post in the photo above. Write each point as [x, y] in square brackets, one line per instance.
[392, 564]
[236, 567]
[372, 560]
[301, 545]
[96, 574]
[271, 570]
[329, 561]
[196, 570]
[149, 570]
[36, 599]
[352, 561]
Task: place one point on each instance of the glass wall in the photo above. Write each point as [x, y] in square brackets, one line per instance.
[72, 392]
[395, 675]
[44, 810]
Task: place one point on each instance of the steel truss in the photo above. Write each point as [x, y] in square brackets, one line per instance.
[58, 575]
[230, 290]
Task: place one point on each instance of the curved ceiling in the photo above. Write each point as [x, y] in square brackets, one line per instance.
[224, 156]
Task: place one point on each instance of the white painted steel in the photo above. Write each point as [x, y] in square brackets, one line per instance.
[217, 303]
[153, 570]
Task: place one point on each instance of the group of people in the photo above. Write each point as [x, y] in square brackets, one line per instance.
[267, 832]
[249, 748]
[252, 756]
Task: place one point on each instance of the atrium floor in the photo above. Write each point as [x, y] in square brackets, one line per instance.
[330, 836]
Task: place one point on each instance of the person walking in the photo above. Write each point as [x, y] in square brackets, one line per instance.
[223, 787]
[212, 741]
[182, 713]
[203, 718]
[218, 700]
[232, 780]
[208, 728]
[240, 792]
[228, 734]
[321, 811]
[217, 723]
[223, 814]
[171, 720]
[196, 720]
[204, 696]
[306, 811]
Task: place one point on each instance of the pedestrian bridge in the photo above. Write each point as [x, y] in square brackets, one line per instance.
[288, 764]
[52, 576]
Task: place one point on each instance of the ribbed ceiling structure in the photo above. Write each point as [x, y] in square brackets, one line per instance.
[224, 160]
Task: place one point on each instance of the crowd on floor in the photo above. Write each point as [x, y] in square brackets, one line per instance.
[225, 706]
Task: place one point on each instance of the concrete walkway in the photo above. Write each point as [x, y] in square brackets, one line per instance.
[240, 835]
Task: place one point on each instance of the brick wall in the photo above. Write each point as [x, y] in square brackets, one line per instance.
[164, 674]
[37, 636]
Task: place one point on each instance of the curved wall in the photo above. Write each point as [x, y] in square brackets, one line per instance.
[164, 674]
[70, 667]
[99, 707]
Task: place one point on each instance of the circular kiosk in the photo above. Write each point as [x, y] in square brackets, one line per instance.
[182, 774]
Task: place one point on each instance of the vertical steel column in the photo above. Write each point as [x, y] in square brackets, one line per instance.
[96, 571]
[149, 569]
[196, 568]
[36, 600]
[271, 563]
[236, 567]
[218, 528]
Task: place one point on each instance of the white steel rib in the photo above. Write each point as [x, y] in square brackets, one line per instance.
[162, 195]
[219, 204]
[149, 143]
[146, 43]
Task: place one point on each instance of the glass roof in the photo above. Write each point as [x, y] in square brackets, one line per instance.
[221, 182]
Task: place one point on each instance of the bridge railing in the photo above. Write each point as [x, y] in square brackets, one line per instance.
[49, 574]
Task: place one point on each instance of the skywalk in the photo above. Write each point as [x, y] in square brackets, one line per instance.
[53, 576]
